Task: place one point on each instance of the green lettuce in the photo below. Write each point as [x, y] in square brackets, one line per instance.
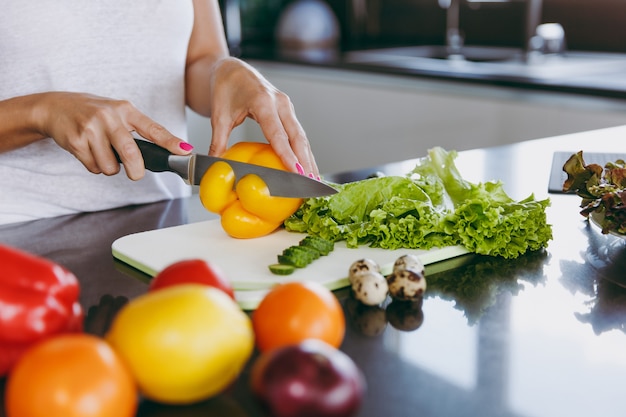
[432, 206]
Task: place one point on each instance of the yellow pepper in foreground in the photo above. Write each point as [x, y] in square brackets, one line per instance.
[247, 209]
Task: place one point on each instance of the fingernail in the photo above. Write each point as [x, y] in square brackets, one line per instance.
[185, 146]
[319, 178]
[299, 168]
[311, 175]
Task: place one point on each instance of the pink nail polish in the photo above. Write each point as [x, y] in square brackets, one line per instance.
[186, 146]
[299, 168]
[311, 175]
[319, 178]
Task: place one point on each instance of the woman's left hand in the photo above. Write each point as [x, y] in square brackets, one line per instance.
[228, 90]
[239, 91]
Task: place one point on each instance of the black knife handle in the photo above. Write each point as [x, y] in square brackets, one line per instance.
[155, 158]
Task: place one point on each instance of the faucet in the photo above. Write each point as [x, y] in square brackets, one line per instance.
[533, 19]
[455, 40]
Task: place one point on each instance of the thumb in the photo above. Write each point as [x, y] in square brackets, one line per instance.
[219, 139]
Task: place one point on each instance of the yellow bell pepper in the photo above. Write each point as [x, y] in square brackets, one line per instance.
[247, 209]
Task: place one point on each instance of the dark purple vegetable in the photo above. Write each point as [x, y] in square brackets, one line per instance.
[603, 191]
[310, 379]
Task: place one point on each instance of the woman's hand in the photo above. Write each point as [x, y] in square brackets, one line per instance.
[238, 92]
[228, 90]
[89, 127]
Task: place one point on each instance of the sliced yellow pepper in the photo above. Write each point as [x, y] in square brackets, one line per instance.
[247, 209]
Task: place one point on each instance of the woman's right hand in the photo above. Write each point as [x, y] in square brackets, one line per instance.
[89, 127]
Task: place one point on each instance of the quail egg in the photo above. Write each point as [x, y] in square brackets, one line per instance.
[370, 288]
[361, 267]
[406, 284]
[408, 261]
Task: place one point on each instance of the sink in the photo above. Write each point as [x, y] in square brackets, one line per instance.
[487, 61]
[469, 53]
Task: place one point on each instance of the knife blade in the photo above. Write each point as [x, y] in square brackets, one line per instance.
[192, 167]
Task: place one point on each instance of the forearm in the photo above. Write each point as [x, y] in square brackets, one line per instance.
[198, 80]
[87, 126]
[18, 122]
[207, 50]
[229, 90]
[205, 74]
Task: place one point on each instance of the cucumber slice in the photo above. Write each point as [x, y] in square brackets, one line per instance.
[322, 245]
[293, 261]
[282, 269]
[312, 252]
[298, 256]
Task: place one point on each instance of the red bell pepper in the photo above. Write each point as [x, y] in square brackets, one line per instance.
[38, 299]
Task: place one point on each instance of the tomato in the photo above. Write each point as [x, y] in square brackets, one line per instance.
[295, 311]
[196, 271]
[72, 375]
[183, 344]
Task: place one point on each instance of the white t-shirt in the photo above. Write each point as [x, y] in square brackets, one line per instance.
[132, 50]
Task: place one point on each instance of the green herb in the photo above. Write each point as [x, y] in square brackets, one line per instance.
[432, 206]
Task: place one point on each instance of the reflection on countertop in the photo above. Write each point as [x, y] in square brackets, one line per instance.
[605, 258]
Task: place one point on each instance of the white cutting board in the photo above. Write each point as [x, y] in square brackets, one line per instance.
[246, 261]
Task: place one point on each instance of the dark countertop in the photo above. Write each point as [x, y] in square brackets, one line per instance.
[539, 336]
[604, 80]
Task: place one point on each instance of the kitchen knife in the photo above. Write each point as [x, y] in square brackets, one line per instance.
[192, 167]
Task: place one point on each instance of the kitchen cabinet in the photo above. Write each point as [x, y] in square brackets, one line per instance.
[358, 119]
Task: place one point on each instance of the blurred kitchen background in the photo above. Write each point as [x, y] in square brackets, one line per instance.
[598, 25]
[361, 109]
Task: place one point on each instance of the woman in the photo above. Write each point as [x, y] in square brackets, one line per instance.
[78, 78]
